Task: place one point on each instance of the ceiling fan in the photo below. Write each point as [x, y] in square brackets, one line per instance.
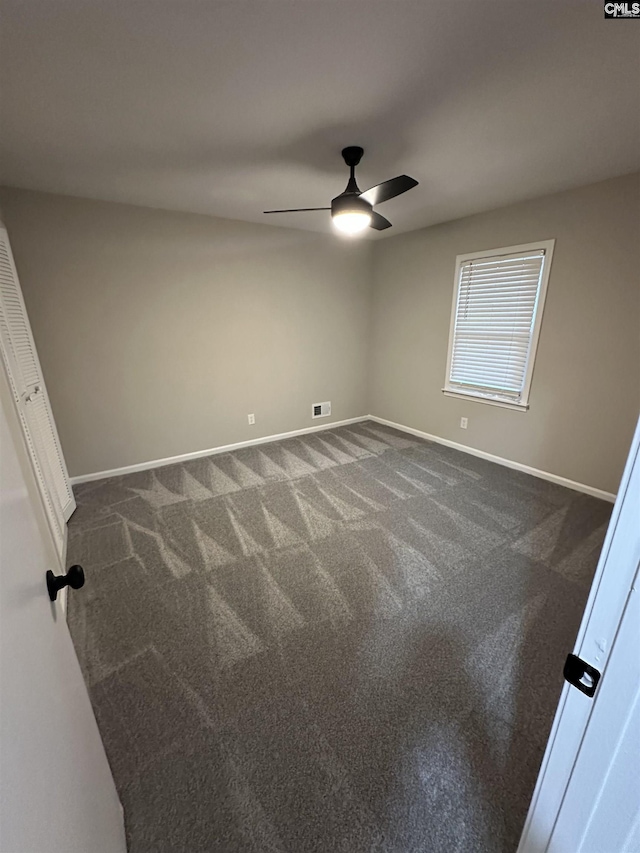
[352, 211]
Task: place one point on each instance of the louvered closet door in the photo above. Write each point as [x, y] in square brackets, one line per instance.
[25, 377]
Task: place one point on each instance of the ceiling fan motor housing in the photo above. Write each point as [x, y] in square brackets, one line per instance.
[350, 202]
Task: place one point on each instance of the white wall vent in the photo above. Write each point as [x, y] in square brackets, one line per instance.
[320, 410]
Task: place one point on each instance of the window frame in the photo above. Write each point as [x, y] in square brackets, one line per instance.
[484, 396]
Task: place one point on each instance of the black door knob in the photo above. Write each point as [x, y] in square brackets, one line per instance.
[73, 578]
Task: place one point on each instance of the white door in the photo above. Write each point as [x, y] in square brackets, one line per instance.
[30, 397]
[587, 799]
[56, 790]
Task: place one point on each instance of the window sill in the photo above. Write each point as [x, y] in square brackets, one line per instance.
[480, 398]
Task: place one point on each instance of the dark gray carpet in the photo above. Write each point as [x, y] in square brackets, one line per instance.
[352, 641]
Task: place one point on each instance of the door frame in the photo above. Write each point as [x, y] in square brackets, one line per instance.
[603, 613]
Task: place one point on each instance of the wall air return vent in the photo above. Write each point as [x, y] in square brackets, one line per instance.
[320, 410]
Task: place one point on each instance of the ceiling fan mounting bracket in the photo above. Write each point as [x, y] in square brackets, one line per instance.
[352, 155]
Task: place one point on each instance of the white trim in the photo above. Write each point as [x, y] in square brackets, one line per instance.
[508, 463]
[211, 451]
[482, 398]
[596, 636]
[547, 247]
[196, 454]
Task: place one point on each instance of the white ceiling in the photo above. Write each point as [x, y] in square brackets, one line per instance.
[230, 108]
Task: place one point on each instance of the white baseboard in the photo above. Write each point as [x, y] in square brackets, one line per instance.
[509, 463]
[196, 454]
[518, 466]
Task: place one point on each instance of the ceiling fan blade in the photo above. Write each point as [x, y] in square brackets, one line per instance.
[296, 210]
[389, 189]
[379, 222]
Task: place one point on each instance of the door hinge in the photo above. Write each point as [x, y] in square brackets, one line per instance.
[581, 675]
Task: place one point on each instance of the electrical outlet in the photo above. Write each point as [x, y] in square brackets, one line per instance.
[251, 419]
[464, 423]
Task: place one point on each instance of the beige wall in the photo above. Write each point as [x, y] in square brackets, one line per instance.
[159, 332]
[585, 392]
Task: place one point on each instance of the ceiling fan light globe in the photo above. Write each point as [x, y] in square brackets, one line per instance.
[352, 221]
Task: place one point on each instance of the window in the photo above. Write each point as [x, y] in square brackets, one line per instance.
[495, 322]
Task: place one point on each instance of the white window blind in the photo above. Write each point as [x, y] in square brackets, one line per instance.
[495, 323]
